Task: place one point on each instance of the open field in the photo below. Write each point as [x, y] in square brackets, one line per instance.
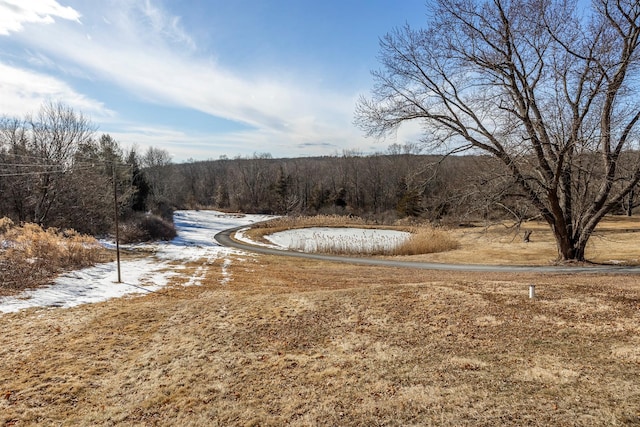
[615, 241]
[280, 341]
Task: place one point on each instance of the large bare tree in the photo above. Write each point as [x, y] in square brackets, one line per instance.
[547, 87]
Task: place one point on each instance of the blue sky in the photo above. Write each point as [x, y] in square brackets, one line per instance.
[203, 79]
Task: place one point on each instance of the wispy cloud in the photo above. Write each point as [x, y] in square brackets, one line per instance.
[24, 91]
[167, 25]
[15, 13]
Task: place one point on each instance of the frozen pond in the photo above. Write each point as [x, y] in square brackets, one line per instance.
[339, 240]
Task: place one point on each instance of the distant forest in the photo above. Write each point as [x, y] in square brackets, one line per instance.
[382, 187]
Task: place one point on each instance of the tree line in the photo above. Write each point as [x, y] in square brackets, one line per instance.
[398, 183]
[384, 187]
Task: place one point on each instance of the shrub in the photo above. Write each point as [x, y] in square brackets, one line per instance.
[32, 255]
[158, 228]
[164, 210]
[146, 227]
[427, 240]
[5, 224]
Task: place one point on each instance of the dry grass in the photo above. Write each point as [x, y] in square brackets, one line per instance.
[427, 240]
[30, 255]
[281, 341]
[292, 342]
[289, 222]
[615, 241]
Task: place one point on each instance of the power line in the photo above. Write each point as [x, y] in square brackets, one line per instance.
[32, 173]
[74, 166]
[73, 157]
[42, 165]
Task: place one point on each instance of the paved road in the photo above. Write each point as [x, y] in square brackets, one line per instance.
[224, 238]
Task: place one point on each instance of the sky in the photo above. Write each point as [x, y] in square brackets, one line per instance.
[203, 79]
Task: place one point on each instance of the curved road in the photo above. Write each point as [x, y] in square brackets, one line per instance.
[224, 239]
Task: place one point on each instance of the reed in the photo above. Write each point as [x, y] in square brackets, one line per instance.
[351, 243]
[427, 240]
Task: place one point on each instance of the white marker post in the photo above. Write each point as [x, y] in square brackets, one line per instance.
[532, 291]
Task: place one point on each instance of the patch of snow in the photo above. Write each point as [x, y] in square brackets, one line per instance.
[241, 236]
[93, 284]
[194, 242]
[226, 276]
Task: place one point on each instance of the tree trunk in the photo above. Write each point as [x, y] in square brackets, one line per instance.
[568, 248]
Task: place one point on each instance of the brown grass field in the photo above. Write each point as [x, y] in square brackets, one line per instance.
[303, 343]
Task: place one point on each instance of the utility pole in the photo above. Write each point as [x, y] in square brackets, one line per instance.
[115, 205]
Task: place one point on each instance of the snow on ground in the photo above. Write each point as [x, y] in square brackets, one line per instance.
[360, 240]
[194, 242]
[241, 236]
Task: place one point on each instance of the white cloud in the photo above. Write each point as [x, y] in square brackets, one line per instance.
[141, 48]
[23, 92]
[132, 57]
[15, 13]
[183, 145]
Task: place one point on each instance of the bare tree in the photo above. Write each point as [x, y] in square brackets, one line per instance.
[15, 175]
[255, 174]
[37, 155]
[56, 133]
[550, 92]
[157, 166]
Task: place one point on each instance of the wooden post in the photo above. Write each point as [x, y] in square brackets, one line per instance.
[115, 205]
